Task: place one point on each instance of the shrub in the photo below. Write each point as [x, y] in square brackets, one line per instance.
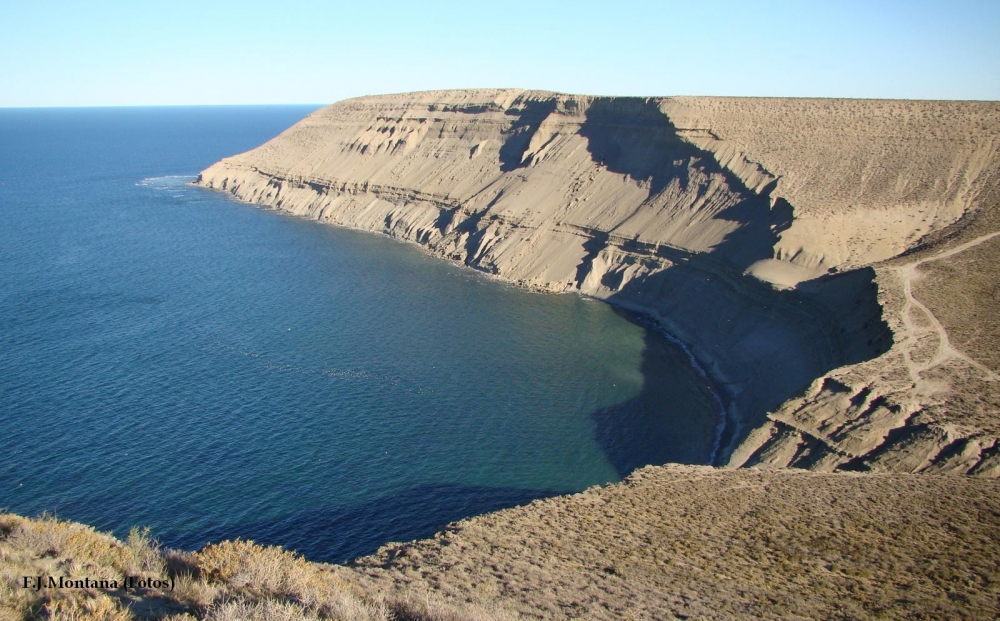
[145, 552]
[242, 609]
[100, 608]
[259, 569]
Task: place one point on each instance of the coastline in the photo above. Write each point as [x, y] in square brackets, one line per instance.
[726, 407]
[717, 389]
[767, 264]
[700, 288]
[853, 403]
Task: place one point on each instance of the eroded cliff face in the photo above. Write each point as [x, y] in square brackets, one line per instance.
[748, 228]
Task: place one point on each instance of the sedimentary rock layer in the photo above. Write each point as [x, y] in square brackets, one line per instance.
[763, 233]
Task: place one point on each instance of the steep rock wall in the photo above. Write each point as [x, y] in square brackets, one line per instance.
[640, 202]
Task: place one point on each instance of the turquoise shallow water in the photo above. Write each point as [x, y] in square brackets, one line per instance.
[176, 359]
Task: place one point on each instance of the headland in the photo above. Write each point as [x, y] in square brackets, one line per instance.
[778, 239]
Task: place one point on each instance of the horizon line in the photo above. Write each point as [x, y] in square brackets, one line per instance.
[327, 103]
[175, 105]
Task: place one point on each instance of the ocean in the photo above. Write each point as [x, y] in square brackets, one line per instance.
[175, 359]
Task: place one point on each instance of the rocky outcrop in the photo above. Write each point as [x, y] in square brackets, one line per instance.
[755, 231]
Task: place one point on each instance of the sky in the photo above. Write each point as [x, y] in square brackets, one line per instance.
[56, 53]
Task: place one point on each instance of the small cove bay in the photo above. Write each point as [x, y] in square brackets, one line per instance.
[176, 359]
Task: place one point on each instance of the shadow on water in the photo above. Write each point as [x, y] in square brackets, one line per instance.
[793, 336]
[673, 419]
[340, 534]
[776, 342]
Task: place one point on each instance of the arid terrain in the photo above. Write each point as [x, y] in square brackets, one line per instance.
[671, 542]
[696, 542]
[832, 266]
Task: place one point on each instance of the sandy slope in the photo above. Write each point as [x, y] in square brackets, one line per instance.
[867, 178]
[756, 230]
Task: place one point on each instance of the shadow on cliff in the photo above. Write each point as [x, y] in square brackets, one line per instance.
[633, 137]
[340, 534]
[518, 137]
[784, 339]
[793, 336]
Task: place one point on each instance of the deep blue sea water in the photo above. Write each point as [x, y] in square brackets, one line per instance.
[170, 357]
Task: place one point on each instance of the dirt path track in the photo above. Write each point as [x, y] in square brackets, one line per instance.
[913, 332]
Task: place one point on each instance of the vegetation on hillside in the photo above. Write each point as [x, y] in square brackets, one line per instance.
[228, 581]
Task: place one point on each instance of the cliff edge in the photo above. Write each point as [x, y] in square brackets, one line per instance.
[830, 263]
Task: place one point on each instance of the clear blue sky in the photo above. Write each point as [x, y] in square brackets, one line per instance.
[56, 53]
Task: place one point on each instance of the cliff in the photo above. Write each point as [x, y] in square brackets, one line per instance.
[804, 250]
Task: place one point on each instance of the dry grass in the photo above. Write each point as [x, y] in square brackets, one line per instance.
[697, 542]
[99, 608]
[677, 541]
[59, 549]
[259, 610]
[963, 291]
[415, 608]
[227, 581]
[246, 565]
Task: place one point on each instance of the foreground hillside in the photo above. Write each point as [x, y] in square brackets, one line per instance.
[51, 569]
[830, 263]
[669, 542]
